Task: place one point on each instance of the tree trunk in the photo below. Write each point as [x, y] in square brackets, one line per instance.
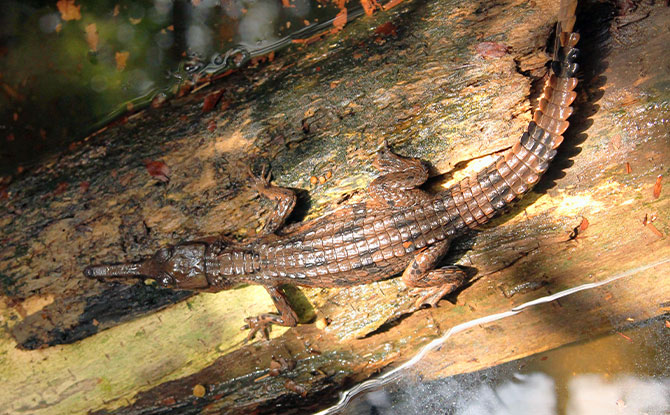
[449, 82]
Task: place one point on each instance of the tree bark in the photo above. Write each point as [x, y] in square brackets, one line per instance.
[433, 89]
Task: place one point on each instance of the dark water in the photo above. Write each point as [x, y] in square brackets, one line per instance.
[69, 67]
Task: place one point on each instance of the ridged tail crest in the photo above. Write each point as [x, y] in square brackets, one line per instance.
[481, 197]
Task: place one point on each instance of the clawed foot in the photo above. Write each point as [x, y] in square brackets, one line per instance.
[434, 295]
[263, 324]
[257, 324]
[261, 181]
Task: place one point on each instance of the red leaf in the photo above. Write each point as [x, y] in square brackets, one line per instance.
[61, 188]
[387, 29]
[158, 170]
[83, 186]
[211, 126]
[211, 100]
[491, 49]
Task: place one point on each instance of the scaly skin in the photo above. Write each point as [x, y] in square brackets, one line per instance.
[401, 229]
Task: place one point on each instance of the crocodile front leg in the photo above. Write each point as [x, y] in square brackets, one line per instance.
[285, 199]
[397, 186]
[439, 282]
[286, 317]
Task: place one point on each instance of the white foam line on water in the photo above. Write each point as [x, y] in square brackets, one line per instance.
[371, 384]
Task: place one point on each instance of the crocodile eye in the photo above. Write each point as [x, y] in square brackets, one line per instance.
[163, 254]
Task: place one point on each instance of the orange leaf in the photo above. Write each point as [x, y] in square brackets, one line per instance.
[121, 60]
[369, 6]
[158, 170]
[584, 225]
[654, 229]
[68, 10]
[340, 20]
[92, 37]
[391, 4]
[657, 187]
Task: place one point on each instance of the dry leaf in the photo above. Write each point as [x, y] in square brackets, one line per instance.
[369, 6]
[654, 229]
[61, 188]
[158, 170]
[584, 225]
[211, 100]
[391, 4]
[657, 187]
[491, 49]
[340, 20]
[92, 37]
[387, 29]
[121, 60]
[68, 10]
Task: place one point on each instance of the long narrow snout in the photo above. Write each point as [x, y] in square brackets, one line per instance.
[114, 271]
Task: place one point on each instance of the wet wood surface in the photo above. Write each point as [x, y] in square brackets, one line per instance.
[448, 82]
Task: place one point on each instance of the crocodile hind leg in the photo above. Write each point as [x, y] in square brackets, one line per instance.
[286, 317]
[438, 282]
[285, 199]
[396, 187]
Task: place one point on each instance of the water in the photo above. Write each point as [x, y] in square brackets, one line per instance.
[607, 375]
[620, 373]
[68, 68]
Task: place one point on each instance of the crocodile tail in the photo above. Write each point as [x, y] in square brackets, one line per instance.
[478, 199]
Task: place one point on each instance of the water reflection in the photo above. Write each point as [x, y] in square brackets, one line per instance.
[619, 373]
[521, 394]
[88, 63]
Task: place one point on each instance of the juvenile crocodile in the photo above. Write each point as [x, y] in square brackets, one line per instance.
[400, 229]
